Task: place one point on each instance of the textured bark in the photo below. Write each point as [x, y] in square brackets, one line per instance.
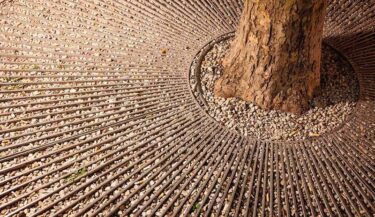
[274, 61]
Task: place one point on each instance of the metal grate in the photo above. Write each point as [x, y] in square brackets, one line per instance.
[97, 118]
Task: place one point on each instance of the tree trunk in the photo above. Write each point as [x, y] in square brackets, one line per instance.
[274, 61]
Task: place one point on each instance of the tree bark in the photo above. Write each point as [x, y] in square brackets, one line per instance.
[274, 60]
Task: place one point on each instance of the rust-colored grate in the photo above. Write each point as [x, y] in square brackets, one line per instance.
[97, 118]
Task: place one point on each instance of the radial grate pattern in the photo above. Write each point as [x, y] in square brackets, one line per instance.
[97, 117]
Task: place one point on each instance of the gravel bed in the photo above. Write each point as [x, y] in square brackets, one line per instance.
[334, 103]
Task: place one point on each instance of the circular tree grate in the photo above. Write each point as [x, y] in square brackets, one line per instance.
[97, 117]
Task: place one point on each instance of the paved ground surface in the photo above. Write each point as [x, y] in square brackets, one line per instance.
[97, 118]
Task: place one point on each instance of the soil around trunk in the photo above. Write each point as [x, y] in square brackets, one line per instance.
[332, 105]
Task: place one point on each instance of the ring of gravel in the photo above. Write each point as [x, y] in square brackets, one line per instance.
[329, 109]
